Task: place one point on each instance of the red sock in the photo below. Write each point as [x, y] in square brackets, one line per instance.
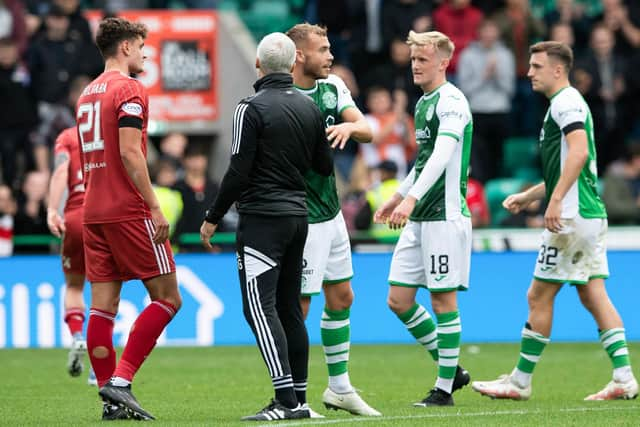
[74, 318]
[100, 334]
[142, 338]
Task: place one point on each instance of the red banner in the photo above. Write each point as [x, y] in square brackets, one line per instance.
[180, 69]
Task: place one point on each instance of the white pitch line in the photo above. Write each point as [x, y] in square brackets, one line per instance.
[457, 414]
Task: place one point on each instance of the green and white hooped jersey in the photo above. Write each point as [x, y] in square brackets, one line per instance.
[443, 112]
[332, 97]
[567, 109]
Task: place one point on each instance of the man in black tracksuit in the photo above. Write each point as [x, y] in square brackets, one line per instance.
[278, 135]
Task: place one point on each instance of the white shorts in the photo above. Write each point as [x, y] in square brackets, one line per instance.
[433, 254]
[575, 255]
[327, 255]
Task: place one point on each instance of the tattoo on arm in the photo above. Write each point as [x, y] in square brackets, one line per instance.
[60, 159]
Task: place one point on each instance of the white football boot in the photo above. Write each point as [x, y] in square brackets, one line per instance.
[616, 390]
[350, 402]
[502, 388]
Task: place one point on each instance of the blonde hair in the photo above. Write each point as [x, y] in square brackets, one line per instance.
[300, 32]
[439, 41]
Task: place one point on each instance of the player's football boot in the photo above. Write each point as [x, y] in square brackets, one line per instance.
[122, 397]
[502, 388]
[75, 363]
[275, 411]
[111, 412]
[436, 397]
[350, 402]
[461, 379]
[312, 413]
[615, 390]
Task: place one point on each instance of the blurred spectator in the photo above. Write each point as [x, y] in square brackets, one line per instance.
[366, 45]
[487, 78]
[530, 217]
[54, 118]
[338, 26]
[35, 11]
[7, 211]
[385, 185]
[477, 203]
[17, 116]
[79, 28]
[623, 20]
[393, 130]
[197, 189]
[170, 200]
[621, 193]
[172, 147]
[395, 74]
[488, 7]
[401, 16]
[459, 20]
[519, 30]
[31, 215]
[13, 24]
[570, 12]
[563, 33]
[599, 76]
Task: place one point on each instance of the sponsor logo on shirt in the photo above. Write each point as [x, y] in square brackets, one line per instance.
[92, 165]
[132, 108]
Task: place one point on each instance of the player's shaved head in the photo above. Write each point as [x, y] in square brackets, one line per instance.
[113, 31]
[300, 33]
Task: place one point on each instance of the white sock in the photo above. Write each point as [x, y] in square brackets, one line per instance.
[521, 379]
[340, 383]
[623, 374]
[119, 382]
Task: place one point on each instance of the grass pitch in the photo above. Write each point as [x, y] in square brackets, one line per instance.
[218, 385]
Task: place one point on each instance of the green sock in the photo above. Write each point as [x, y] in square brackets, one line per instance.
[449, 330]
[335, 333]
[421, 326]
[615, 344]
[531, 348]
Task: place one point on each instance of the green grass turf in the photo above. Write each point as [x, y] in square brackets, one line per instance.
[218, 385]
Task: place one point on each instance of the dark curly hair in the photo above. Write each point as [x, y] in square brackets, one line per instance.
[112, 31]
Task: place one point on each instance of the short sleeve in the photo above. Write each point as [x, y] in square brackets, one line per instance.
[131, 100]
[62, 142]
[344, 94]
[568, 109]
[454, 115]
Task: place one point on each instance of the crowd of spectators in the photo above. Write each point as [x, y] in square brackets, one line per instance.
[47, 56]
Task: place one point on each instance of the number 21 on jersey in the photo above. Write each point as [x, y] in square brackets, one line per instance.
[88, 118]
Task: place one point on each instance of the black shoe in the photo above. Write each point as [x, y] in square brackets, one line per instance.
[277, 411]
[122, 397]
[461, 379]
[112, 412]
[436, 397]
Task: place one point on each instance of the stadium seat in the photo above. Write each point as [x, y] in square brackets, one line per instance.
[519, 153]
[267, 16]
[496, 191]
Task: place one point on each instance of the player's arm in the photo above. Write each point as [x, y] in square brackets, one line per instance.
[322, 161]
[57, 186]
[354, 125]
[514, 203]
[381, 216]
[577, 155]
[130, 140]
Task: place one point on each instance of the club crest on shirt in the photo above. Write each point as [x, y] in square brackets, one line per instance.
[330, 100]
[430, 111]
[132, 108]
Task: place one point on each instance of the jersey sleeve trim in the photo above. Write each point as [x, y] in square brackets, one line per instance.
[450, 134]
[345, 107]
[571, 127]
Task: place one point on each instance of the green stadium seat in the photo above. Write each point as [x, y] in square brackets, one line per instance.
[496, 191]
[529, 174]
[519, 153]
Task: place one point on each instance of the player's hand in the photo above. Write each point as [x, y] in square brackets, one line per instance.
[381, 216]
[161, 226]
[207, 230]
[552, 220]
[516, 202]
[338, 135]
[400, 214]
[55, 223]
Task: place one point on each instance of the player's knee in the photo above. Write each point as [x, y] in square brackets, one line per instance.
[100, 352]
[175, 300]
[340, 300]
[398, 306]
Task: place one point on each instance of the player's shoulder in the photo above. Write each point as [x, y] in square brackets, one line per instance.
[567, 100]
[332, 80]
[452, 98]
